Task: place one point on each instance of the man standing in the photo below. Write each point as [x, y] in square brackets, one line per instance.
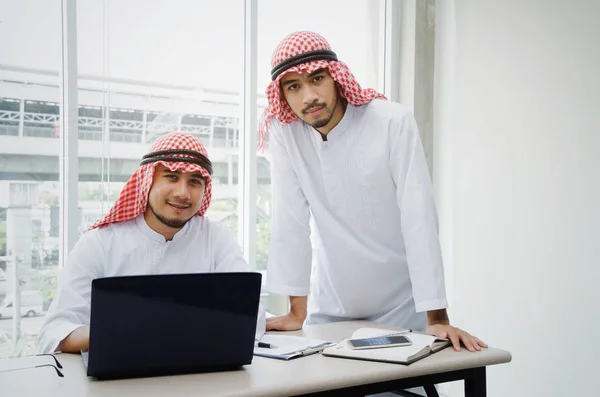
[157, 226]
[354, 162]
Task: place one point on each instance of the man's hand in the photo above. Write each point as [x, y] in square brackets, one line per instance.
[291, 321]
[288, 322]
[456, 336]
[76, 341]
[439, 326]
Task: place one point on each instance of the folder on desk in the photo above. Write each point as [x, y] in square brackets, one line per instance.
[286, 347]
[421, 347]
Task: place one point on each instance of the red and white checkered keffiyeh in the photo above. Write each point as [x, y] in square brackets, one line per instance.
[134, 197]
[299, 43]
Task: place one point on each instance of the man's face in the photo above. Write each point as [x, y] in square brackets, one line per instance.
[175, 197]
[313, 97]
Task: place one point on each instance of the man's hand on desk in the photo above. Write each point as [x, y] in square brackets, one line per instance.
[288, 322]
[76, 341]
[439, 326]
[291, 321]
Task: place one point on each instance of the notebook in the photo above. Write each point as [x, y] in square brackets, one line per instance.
[422, 346]
[286, 347]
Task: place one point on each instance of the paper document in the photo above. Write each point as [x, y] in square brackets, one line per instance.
[286, 347]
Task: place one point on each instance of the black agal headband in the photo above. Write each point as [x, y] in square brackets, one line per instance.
[176, 155]
[317, 55]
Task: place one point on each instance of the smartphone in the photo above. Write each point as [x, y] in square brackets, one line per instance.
[378, 342]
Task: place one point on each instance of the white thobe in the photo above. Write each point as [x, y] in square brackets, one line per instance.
[375, 229]
[133, 248]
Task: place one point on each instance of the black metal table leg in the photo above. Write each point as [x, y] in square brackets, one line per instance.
[475, 384]
[431, 391]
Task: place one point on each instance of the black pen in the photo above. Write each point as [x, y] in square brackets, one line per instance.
[266, 345]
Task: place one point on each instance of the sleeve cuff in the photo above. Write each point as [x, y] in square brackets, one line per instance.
[435, 304]
[51, 337]
[286, 289]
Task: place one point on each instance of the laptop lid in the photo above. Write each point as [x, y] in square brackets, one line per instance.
[172, 324]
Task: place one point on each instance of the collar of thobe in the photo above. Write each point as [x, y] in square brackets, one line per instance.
[341, 127]
[151, 234]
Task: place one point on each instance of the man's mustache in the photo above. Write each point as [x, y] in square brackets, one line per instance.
[313, 106]
[179, 203]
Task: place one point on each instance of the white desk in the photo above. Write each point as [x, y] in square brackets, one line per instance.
[315, 375]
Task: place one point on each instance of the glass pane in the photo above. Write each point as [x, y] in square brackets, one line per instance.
[148, 68]
[30, 60]
[352, 31]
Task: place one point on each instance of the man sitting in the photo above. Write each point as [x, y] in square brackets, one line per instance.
[157, 226]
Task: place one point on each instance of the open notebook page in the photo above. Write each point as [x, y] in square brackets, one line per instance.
[421, 346]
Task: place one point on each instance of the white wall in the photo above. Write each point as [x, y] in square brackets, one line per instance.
[517, 172]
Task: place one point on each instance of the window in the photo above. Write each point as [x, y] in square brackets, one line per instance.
[30, 59]
[149, 71]
[357, 46]
[142, 72]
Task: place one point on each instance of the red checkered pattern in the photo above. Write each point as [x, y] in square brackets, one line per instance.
[295, 44]
[134, 197]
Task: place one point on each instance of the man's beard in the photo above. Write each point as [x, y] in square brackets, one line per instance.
[322, 122]
[173, 223]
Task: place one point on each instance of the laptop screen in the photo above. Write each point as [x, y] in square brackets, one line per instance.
[176, 323]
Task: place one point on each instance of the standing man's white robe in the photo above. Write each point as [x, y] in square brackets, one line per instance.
[133, 248]
[375, 230]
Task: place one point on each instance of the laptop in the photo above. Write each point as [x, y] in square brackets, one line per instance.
[172, 324]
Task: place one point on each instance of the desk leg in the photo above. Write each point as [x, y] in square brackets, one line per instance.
[475, 384]
[431, 390]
